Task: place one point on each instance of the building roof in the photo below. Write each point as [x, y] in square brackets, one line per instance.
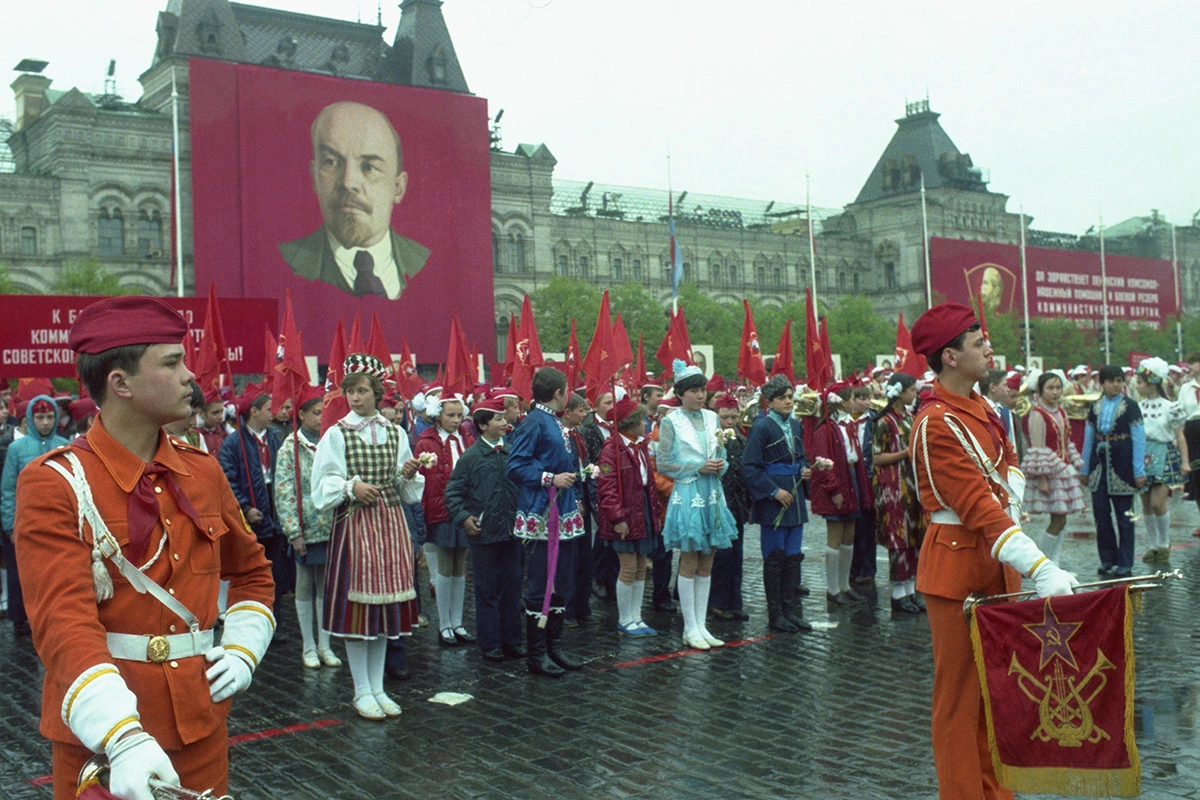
[309, 43]
[636, 204]
[920, 147]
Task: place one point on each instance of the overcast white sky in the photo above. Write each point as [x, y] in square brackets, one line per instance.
[1077, 109]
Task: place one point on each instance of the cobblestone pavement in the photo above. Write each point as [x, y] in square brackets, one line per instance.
[842, 712]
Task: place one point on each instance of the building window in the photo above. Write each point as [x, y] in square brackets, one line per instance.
[496, 265]
[760, 275]
[111, 230]
[889, 274]
[735, 275]
[635, 269]
[583, 266]
[856, 282]
[564, 266]
[515, 253]
[687, 272]
[820, 280]
[29, 241]
[777, 277]
[841, 281]
[149, 233]
[616, 269]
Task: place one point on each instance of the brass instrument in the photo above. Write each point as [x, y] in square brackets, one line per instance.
[1023, 406]
[1077, 405]
[1136, 583]
[879, 403]
[808, 404]
[95, 771]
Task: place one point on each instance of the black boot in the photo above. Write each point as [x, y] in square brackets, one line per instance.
[773, 587]
[554, 629]
[801, 589]
[789, 580]
[539, 663]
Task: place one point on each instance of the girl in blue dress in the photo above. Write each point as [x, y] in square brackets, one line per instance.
[698, 523]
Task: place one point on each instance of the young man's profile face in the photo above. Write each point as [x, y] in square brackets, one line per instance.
[974, 357]
[162, 388]
[356, 173]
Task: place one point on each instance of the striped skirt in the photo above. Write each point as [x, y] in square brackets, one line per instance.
[369, 578]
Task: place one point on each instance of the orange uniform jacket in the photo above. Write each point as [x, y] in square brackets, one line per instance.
[957, 559]
[56, 572]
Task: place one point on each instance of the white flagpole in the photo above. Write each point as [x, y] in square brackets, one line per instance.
[1104, 296]
[1178, 296]
[925, 241]
[1025, 290]
[675, 243]
[176, 198]
[812, 242]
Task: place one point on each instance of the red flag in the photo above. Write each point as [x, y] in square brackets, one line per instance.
[750, 362]
[335, 406]
[527, 353]
[829, 372]
[907, 361]
[458, 362]
[354, 344]
[574, 359]
[600, 364]
[675, 344]
[377, 346]
[510, 349]
[291, 369]
[983, 328]
[783, 355]
[191, 352]
[407, 379]
[270, 359]
[624, 353]
[212, 359]
[639, 366]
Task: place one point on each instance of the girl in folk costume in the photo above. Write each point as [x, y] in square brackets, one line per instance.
[698, 522]
[899, 519]
[307, 529]
[446, 443]
[840, 492]
[627, 510]
[1051, 464]
[363, 470]
[1167, 458]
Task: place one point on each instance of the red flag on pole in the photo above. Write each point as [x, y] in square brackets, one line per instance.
[829, 371]
[783, 355]
[510, 349]
[574, 359]
[354, 344]
[270, 359]
[600, 365]
[407, 379]
[291, 369]
[907, 360]
[624, 353]
[675, 344]
[750, 362]
[639, 367]
[458, 362]
[212, 359]
[527, 353]
[377, 346]
[335, 406]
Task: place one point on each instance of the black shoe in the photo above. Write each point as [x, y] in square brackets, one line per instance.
[494, 655]
[737, 615]
[783, 625]
[1106, 570]
[1121, 572]
[802, 591]
[554, 629]
[537, 659]
[838, 599]
[463, 635]
[396, 674]
[854, 596]
[446, 638]
[665, 605]
[280, 637]
[905, 605]
[797, 620]
[514, 651]
[720, 614]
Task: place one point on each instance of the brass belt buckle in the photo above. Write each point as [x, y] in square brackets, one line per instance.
[158, 649]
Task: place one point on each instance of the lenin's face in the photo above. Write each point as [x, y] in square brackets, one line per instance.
[356, 172]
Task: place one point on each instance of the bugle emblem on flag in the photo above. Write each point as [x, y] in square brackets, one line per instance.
[1057, 676]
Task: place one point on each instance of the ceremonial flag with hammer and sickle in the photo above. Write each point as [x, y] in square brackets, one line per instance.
[1057, 677]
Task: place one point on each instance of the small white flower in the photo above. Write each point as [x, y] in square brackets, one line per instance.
[590, 471]
[427, 459]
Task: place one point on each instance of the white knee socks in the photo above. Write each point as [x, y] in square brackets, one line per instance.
[376, 659]
[846, 553]
[687, 603]
[458, 594]
[444, 591]
[304, 613]
[637, 592]
[1051, 545]
[1164, 531]
[703, 588]
[833, 557]
[625, 615]
[357, 654]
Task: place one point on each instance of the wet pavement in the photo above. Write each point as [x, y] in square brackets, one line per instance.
[842, 712]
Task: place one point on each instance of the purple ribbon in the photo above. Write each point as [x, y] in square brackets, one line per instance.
[551, 549]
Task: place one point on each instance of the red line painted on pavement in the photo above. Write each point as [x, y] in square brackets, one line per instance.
[241, 738]
[688, 652]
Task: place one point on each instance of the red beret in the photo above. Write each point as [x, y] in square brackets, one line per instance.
[934, 329]
[83, 407]
[20, 408]
[212, 396]
[1013, 381]
[42, 406]
[120, 321]
[251, 393]
[621, 409]
[725, 401]
[715, 384]
[494, 404]
[670, 402]
[29, 388]
[501, 392]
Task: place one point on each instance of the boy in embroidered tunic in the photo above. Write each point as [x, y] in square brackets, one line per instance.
[136, 676]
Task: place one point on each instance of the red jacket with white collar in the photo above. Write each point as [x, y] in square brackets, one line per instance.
[433, 501]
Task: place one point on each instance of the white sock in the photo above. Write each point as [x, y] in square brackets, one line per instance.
[703, 588]
[443, 591]
[910, 586]
[833, 557]
[322, 634]
[376, 659]
[360, 671]
[1051, 545]
[899, 590]
[687, 602]
[304, 613]
[458, 595]
[637, 594]
[625, 614]
[847, 559]
[1164, 531]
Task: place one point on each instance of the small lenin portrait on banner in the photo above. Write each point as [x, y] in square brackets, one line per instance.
[358, 176]
[994, 283]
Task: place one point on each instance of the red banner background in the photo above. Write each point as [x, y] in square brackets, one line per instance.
[33, 338]
[252, 190]
[1062, 283]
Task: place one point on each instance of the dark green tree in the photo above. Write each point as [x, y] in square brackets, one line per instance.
[85, 276]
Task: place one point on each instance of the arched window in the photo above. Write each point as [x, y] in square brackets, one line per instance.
[564, 265]
[110, 229]
[841, 281]
[777, 277]
[497, 265]
[29, 241]
[635, 269]
[149, 233]
[617, 270]
[856, 283]
[515, 252]
[584, 267]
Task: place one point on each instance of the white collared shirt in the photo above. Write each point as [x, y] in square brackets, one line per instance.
[456, 447]
[385, 262]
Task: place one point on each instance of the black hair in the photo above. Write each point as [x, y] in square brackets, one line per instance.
[634, 420]
[904, 379]
[197, 396]
[1110, 372]
[94, 369]
[1046, 377]
[309, 403]
[696, 381]
[1191, 359]
[257, 403]
[777, 387]
[645, 392]
[546, 383]
[482, 416]
[577, 400]
[934, 359]
[994, 377]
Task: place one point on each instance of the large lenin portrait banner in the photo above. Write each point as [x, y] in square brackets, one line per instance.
[1062, 283]
[354, 196]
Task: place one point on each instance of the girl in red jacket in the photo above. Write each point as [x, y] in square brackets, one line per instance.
[840, 492]
[628, 510]
[445, 443]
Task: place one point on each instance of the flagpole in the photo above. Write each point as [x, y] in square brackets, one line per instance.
[812, 242]
[1178, 296]
[674, 241]
[176, 199]
[1104, 295]
[925, 243]
[1025, 290]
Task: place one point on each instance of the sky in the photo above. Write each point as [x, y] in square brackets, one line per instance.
[1079, 112]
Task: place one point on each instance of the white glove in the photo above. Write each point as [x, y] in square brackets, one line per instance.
[227, 676]
[133, 761]
[1018, 551]
[1051, 580]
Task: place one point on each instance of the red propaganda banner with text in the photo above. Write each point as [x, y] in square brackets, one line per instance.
[1062, 283]
[1057, 676]
[356, 196]
[33, 338]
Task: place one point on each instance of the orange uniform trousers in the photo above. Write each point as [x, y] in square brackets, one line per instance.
[201, 765]
[964, 773]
